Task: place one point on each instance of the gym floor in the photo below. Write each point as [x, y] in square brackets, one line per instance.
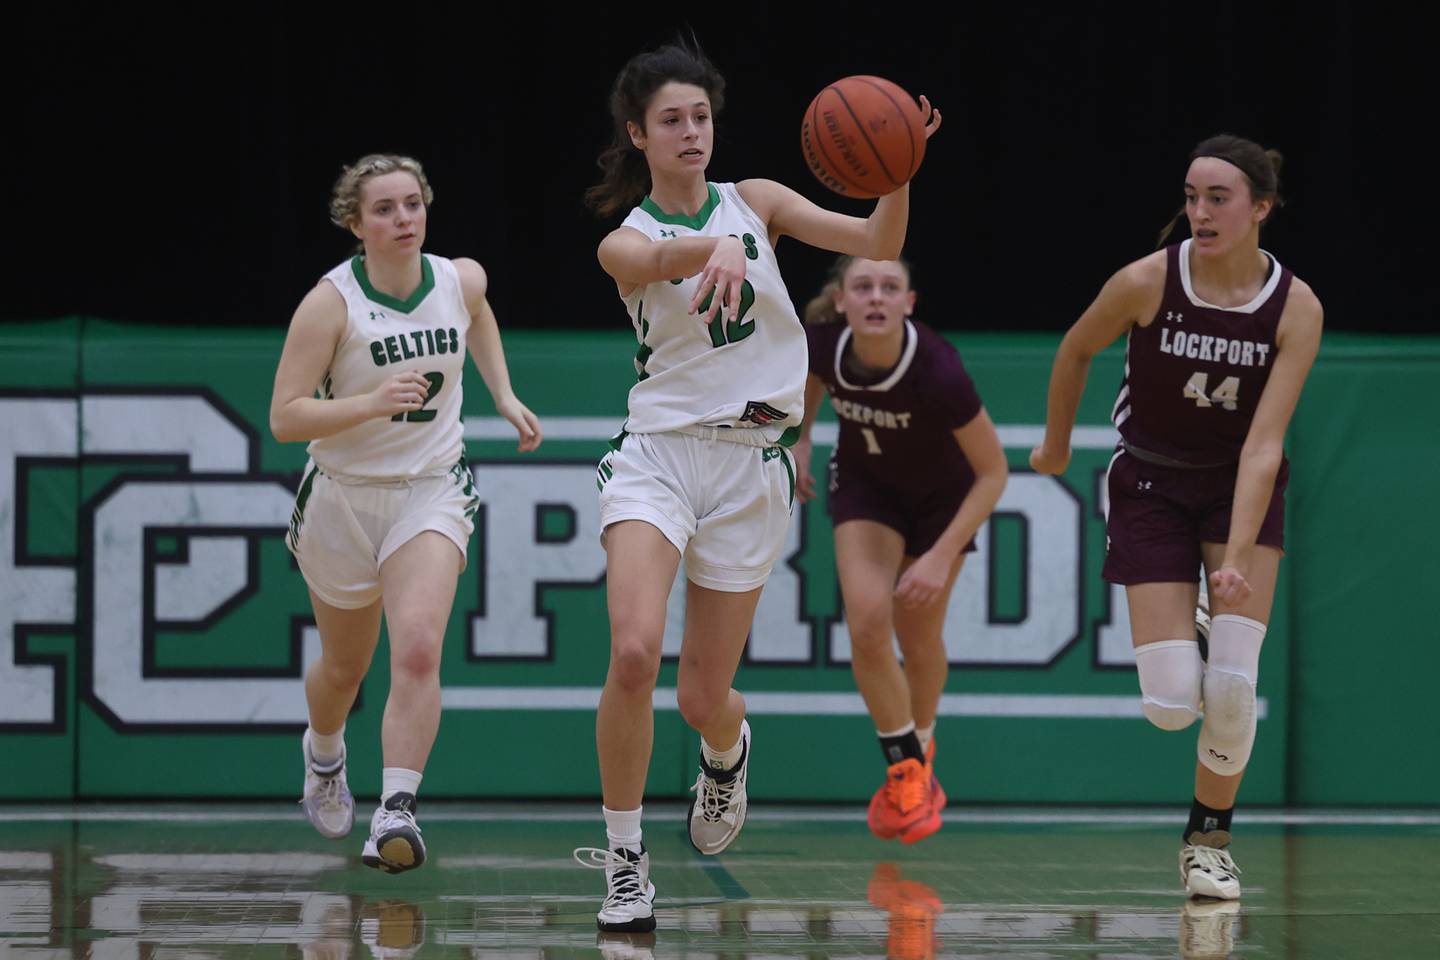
[152, 881]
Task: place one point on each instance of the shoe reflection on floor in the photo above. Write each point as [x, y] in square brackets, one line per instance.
[913, 907]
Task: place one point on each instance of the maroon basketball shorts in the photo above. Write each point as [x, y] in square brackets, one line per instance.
[918, 516]
[1159, 516]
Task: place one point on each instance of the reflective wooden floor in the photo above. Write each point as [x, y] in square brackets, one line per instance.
[149, 882]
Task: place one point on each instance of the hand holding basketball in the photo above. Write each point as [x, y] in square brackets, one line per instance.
[865, 137]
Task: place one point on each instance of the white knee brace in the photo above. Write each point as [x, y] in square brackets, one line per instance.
[1228, 733]
[1169, 682]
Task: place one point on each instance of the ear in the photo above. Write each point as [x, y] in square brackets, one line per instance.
[909, 302]
[1263, 209]
[836, 297]
[355, 229]
[637, 134]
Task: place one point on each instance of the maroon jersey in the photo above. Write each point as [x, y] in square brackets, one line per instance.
[897, 428]
[1194, 376]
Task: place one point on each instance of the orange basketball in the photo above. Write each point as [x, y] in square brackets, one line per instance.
[863, 136]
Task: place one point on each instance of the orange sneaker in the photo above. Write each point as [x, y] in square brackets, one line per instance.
[936, 791]
[905, 805]
[913, 909]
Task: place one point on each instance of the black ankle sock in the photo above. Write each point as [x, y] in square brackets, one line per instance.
[1203, 819]
[898, 748]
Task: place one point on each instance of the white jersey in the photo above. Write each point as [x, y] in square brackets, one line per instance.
[749, 372]
[385, 336]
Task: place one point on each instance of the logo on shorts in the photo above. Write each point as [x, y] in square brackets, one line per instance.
[761, 413]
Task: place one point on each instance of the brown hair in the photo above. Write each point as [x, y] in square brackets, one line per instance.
[821, 307]
[1261, 168]
[626, 176]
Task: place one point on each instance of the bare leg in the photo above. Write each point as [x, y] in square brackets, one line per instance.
[641, 567]
[418, 580]
[922, 642]
[868, 556]
[716, 626]
[347, 644]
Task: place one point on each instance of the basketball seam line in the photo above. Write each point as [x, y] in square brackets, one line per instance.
[860, 125]
[830, 166]
[909, 136]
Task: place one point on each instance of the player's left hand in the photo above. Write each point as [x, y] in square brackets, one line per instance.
[1229, 586]
[526, 424]
[922, 584]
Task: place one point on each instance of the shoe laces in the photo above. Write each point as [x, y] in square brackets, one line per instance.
[388, 819]
[715, 798]
[906, 787]
[622, 875]
[1212, 860]
[329, 791]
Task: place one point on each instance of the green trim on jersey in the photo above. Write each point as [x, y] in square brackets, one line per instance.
[696, 222]
[427, 283]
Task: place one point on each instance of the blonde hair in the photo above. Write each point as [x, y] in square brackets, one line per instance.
[821, 308]
[345, 196]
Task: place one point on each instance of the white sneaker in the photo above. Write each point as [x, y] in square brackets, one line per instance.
[629, 894]
[1206, 868]
[327, 800]
[1206, 929]
[718, 811]
[395, 844]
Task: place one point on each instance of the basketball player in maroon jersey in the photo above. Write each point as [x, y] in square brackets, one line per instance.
[1220, 340]
[917, 468]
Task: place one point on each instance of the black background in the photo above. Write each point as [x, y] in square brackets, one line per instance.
[175, 168]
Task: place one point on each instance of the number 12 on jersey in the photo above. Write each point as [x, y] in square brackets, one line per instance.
[1226, 395]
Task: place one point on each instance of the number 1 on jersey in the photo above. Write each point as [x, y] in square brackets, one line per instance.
[1227, 394]
[872, 446]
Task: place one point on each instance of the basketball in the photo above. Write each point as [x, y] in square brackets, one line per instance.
[863, 136]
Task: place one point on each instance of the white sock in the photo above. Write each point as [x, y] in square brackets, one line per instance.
[622, 828]
[926, 734]
[722, 759]
[398, 780]
[909, 727]
[326, 748]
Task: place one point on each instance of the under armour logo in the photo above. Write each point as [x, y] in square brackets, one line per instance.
[1172, 315]
[1143, 485]
[668, 233]
[380, 315]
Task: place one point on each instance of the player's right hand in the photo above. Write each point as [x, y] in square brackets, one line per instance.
[401, 393]
[721, 281]
[1045, 460]
[804, 479]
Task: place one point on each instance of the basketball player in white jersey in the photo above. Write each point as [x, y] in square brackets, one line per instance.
[384, 512]
[700, 470]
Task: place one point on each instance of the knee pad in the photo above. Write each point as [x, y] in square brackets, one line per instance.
[1170, 672]
[1228, 733]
